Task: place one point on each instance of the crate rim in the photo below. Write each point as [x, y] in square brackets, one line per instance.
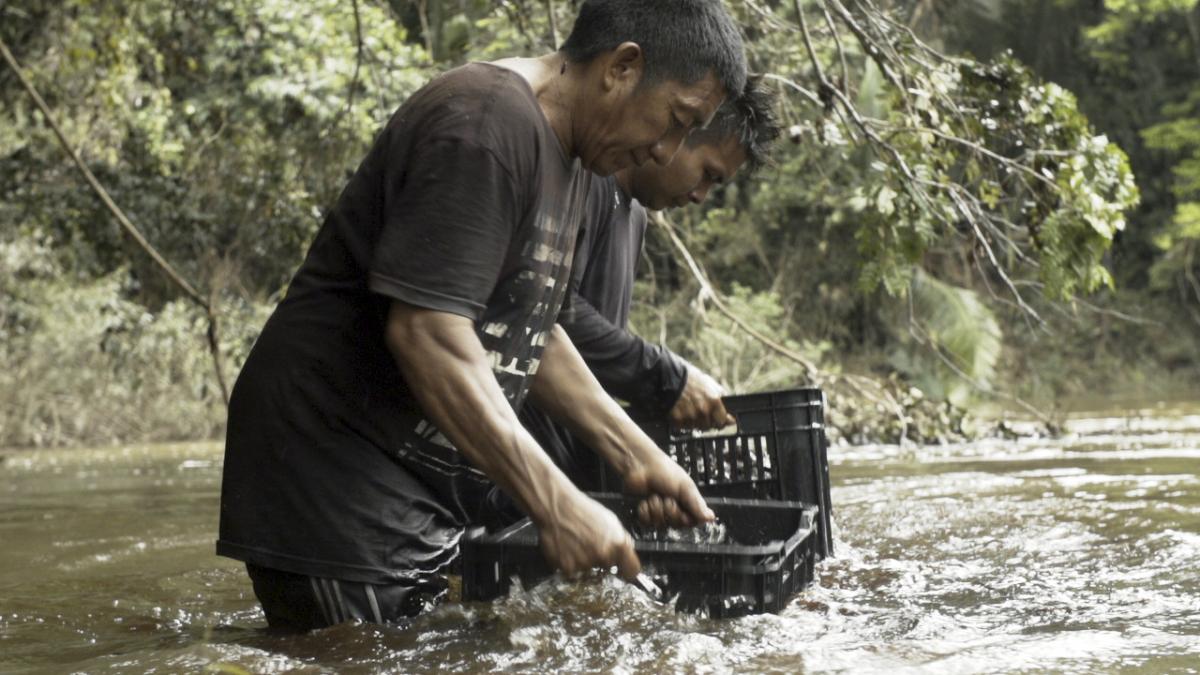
[722, 433]
[779, 391]
[781, 548]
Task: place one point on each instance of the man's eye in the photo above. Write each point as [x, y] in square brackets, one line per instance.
[677, 123]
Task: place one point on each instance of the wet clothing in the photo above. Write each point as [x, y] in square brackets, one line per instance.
[466, 203]
[298, 603]
[646, 376]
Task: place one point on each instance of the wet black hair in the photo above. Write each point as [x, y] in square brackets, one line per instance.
[682, 40]
[750, 118]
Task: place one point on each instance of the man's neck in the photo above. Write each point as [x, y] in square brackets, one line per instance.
[555, 83]
[625, 180]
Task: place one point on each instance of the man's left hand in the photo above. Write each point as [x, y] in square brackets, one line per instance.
[699, 405]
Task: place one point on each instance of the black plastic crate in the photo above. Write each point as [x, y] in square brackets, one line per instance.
[779, 452]
[771, 561]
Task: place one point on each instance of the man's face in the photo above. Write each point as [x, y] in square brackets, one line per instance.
[629, 125]
[696, 169]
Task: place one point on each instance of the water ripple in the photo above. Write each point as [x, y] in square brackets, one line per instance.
[1079, 554]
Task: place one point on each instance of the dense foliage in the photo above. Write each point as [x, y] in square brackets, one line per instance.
[1135, 69]
[927, 212]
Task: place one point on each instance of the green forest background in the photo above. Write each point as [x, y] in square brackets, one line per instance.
[978, 205]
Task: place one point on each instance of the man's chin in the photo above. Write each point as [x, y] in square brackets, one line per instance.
[609, 163]
[663, 204]
[603, 166]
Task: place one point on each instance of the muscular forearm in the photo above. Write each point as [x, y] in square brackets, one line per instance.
[447, 370]
[566, 389]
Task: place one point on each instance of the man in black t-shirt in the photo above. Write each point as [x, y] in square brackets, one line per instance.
[378, 406]
[656, 383]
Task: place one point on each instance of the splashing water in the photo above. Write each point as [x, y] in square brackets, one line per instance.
[708, 533]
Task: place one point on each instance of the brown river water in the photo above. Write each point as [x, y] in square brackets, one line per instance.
[1078, 554]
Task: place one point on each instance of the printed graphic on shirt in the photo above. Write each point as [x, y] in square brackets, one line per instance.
[514, 332]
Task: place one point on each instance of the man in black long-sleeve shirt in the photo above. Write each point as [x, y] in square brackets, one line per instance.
[654, 381]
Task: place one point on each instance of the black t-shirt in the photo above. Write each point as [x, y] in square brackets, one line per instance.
[645, 375]
[466, 204]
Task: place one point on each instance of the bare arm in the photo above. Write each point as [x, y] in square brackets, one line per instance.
[447, 369]
[566, 389]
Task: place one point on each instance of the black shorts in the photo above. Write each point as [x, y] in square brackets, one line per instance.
[297, 603]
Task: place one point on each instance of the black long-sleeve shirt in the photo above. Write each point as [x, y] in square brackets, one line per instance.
[645, 375]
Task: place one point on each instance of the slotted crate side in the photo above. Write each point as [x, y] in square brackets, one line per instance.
[762, 419]
[780, 451]
[771, 411]
[733, 465]
[489, 563]
[804, 457]
[722, 590]
[724, 580]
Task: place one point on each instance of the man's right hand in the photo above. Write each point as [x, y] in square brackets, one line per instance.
[670, 496]
[583, 535]
[699, 405]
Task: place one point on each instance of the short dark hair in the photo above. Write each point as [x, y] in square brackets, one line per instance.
[682, 40]
[750, 118]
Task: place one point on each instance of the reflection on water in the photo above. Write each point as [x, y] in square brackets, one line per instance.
[1079, 554]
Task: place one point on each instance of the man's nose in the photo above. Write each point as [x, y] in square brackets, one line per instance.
[699, 194]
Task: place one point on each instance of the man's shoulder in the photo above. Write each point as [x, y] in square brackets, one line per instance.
[477, 102]
[481, 106]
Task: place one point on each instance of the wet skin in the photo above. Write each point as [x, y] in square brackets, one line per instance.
[698, 167]
[649, 127]
[620, 119]
[608, 115]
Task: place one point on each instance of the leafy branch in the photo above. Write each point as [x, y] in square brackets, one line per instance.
[981, 154]
[863, 386]
[189, 291]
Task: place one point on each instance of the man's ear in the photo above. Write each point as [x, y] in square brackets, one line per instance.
[624, 67]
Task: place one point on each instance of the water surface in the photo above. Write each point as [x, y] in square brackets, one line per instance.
[1079, 554]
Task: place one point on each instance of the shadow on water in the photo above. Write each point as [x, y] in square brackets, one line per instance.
[1079, 554]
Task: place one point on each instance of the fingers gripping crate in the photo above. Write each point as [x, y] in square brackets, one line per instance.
[779, 452]
[767, 557]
